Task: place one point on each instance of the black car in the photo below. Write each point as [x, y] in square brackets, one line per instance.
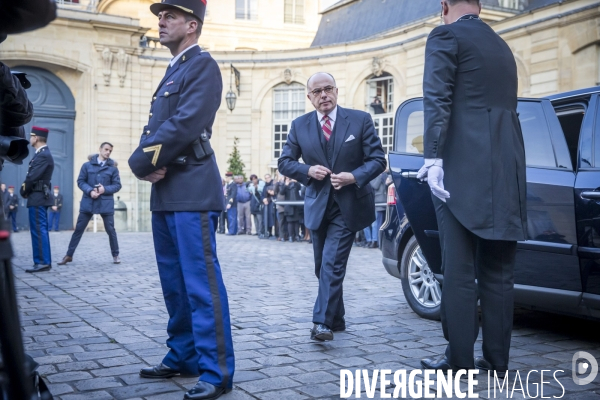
[558, 266]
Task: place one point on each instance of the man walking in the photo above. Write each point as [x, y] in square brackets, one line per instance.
[12, 205]
[475, 166]
[36, 189]
[175, 156]
[54, 211]
[341, 155]
[243, 207]
[99, 180]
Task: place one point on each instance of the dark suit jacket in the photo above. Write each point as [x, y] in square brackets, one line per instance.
[57, 201]
[91, 174]
[232, 194]
[41, 168]
[12, 201]
[470, 104]
[362, 156]
[183, 106]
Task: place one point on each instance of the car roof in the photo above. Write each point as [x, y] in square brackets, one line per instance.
[574, 93]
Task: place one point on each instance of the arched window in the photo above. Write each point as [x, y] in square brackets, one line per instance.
[288, 104]
[380, 104]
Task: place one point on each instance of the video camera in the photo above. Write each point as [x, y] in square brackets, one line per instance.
[13, 149]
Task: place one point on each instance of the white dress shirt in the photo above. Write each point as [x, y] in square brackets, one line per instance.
[178, 56]
[332, 116]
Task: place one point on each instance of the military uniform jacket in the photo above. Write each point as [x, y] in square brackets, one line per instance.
[470, 106]
[183, 106]
[12, 201]
[41, 168]
[57, 201]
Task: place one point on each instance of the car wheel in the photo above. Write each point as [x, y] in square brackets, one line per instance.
[421, 289]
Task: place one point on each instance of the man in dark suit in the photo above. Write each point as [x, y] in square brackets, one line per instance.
[12, 206]
[54, 212]
[341, 154]
[36, 189]
[231, 199]
[475, 167]
[186, 198]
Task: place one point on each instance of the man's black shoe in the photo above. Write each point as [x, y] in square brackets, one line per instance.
[160, 371]
[205, 391]
[483, 364]
[39, 268]
[321, 332]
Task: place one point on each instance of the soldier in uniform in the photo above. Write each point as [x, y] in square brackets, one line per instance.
[54, 213]
[36, 189]
[175, 156]
[12, 206]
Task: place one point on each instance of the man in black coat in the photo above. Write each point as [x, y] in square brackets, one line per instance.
[36, 189]
[12, 207]
[99, 180]
[341, 154]
[475, 166]
[186, 200]
[231, 201]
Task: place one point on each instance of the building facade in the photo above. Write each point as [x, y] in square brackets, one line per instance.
[93, 72]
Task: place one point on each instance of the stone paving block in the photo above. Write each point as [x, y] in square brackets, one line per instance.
[99, 395]
[94, 355]
[152, 388]
[53, 359]
[264, 385]
[286, 370]
[321, 390]
[58, 389]
[116, 371]
[68, 376]
[77, 366]
[287, 394]
[97, 383]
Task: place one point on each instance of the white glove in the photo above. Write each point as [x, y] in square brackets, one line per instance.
[433, 173]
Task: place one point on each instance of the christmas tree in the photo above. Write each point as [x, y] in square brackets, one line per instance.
[236, 165]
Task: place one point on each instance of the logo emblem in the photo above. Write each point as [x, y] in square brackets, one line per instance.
[583, 367]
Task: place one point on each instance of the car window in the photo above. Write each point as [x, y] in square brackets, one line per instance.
[410, 125]
[536, 135]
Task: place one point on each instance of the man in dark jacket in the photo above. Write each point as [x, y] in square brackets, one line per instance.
[36, 189]
[54, 212]
[231, 200]
[475, 167]
[12, 206]
[98, 180]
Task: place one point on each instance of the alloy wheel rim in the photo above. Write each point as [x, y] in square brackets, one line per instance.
[423, 284]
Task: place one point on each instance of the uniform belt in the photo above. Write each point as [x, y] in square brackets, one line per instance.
[39, 186]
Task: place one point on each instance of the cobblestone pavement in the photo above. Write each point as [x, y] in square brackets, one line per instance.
[92, 324]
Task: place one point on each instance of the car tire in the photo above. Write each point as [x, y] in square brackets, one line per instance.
[421, 289]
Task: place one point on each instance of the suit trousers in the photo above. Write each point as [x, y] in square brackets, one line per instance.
[82, 223]
[332, 243]
[222, 221]
[466, 258]
[244, 217]
[199, 327]
[54, 219]
[40, 241]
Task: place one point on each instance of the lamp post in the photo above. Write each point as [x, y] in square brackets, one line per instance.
[230, 98]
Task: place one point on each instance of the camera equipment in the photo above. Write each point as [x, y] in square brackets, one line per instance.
[22, 77]
[13, 149]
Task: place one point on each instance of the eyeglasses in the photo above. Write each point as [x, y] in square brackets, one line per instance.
[326, 89]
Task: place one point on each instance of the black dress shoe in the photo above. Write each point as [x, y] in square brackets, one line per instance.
[321, 332]
[205, 391]
[160, 371]
[482, 363]
[440, 365]
[39, 268]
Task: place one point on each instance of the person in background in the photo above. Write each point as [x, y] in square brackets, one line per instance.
[377, 106]
[255, 188]
[3, 195]
[243, 206]
[223, 214]
[54, 212]
[99, 180]
[281, 220]
[269, 211]
[12, 205]
[291, 191]
[231, 200]
[372, 232]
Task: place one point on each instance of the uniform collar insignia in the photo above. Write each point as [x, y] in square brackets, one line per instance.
[169, 83]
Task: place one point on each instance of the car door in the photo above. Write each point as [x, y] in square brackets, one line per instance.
[547, 259]
[587, 198]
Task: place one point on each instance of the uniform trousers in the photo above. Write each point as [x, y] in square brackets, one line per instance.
[12, 215]
[40, 241]
[465, 258]
[332, 243]
[54, 219]
[82, 223]
[232, 226]
[199, 328]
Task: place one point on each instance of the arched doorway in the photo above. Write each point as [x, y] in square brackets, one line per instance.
[54, 108]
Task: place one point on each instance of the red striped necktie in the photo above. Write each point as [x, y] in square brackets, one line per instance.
[326, 127]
